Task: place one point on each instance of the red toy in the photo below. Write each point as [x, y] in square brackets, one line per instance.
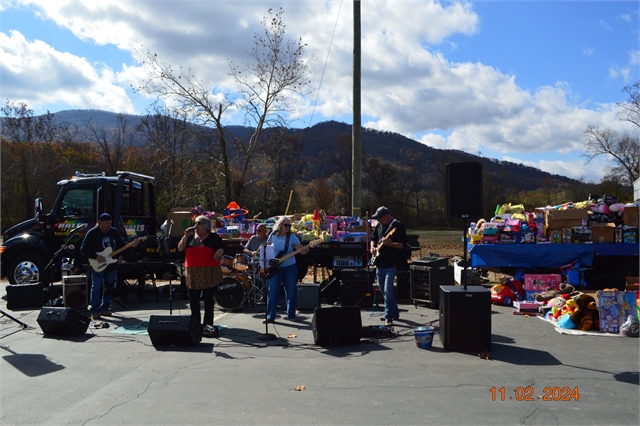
[506, 292]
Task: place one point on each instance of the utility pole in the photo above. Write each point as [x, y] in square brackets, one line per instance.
[356, 131]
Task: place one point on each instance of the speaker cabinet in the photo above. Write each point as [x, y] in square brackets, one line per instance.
[465, 318]
[308, 296]
[356, 294]
[25, 296]
[74, 292]
[170, 330]
[62, 321]
[330, 290]
[464, 190]
[425, 282]
[336, 325]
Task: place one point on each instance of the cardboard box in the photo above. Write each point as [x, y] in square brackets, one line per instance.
[542, 282]
[602, 233]
[630, 216]
[526, 305]
[614, 307]
[558, 219]
[181, 221]
[632, 284]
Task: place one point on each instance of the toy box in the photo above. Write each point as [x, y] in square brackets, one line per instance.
[556, 237]
[526, 305]
[630, 216]
[489, 239]
[581, 234]
[614, 307]
[602, 233]
[181, 217]
[566, 235]
[542, 282]
[630, 236]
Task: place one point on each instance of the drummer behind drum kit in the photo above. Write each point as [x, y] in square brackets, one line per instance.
[244, 281]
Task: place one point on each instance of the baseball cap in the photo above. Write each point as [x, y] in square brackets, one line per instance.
[382, 211]
[105, 217]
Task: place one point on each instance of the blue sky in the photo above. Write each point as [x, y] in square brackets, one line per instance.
[512, 80]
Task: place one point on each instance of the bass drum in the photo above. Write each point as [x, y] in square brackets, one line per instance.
[230, 293]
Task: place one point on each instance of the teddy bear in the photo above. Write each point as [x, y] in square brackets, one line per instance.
[586, 317]
[552, 293]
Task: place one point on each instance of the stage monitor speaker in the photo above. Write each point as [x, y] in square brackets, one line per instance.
[25, 296]
[336, 325]
[170, 330]
[63, 321]
[74, 292]
[464, 190]
[465, 318]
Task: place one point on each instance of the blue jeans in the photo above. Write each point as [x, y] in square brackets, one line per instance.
[106, 279]
[289, 277]
[385, 278]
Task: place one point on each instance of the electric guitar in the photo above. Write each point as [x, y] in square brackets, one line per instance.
[274, 264]
[109, 256]
[373, 259]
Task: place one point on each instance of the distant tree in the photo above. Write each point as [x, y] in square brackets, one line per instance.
[321, 194]
[630, 110]
[622, 148]
[31, 153]
[113, 143]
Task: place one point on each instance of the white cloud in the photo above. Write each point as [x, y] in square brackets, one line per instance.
[588, 51]
[605, 25]
[35, 73]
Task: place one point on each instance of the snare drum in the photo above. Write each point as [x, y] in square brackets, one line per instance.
[226, 264]
[241, 262]
[230, 294]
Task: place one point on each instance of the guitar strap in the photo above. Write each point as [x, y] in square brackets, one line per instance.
[286, 247]
[389, 228]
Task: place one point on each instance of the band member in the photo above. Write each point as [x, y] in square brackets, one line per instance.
[203, 251]
[284, 241]
[387, 245]
[257, 240]
[95, 242]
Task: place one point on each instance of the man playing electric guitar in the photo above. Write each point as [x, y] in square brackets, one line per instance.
[98, 242]
[387, 246]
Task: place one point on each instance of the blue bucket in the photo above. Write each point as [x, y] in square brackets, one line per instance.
[424, 336]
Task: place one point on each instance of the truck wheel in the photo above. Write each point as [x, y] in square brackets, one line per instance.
[28, 268]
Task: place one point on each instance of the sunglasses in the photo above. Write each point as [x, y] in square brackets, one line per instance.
[288, 225]
[199, 223]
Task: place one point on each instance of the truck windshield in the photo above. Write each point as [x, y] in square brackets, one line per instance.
[76, 203]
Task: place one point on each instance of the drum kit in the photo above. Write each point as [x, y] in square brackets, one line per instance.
[244, 283]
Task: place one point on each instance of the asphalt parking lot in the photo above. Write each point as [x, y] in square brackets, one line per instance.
[104, 377]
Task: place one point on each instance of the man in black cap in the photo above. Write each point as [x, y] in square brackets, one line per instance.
[387, 248]
[100, 238]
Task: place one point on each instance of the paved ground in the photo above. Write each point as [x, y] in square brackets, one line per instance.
[106, 378]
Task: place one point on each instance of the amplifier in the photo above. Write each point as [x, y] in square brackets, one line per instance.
[74, 292]
[340, 262]
[425, 282]
[74, 279]
[358, 276]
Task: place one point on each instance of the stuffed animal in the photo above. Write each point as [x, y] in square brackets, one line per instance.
[552, 293]
[558, 304]
[586, 316]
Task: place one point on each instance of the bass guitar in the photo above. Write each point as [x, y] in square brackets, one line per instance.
[373, 259]
[274, 264]
[109, 256]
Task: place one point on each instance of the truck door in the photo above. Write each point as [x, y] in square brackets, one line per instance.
[75, 207]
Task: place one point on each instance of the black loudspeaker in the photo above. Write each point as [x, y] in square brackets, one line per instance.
[64, 321]
[330, 290]
[465, 318]
[168, 330]
[355, 294]
[336, 325]
[74, 292]
[464, 190]
[25, 296]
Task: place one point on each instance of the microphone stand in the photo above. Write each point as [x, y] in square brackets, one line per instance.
[266, 336]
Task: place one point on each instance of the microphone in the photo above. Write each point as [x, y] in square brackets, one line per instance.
[193, 228]
[79, 227]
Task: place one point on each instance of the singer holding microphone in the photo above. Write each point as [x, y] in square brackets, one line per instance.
[203, 251]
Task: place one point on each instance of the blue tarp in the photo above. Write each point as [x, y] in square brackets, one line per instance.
[543, 255]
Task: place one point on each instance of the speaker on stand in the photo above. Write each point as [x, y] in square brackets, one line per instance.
[74, 292]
